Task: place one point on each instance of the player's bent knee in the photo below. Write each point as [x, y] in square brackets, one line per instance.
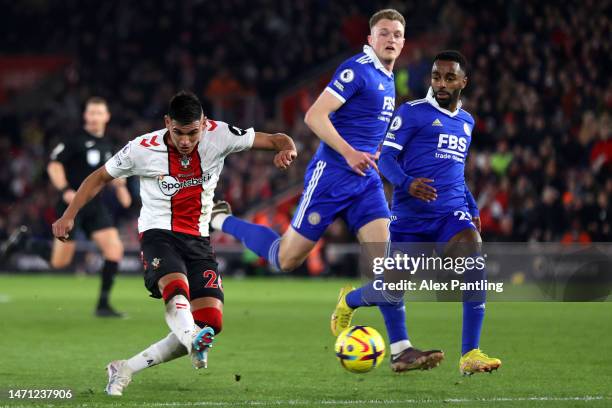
[289, 263]
[113, 252]
[209, 316]
[174, 288]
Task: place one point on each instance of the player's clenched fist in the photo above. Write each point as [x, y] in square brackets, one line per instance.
[62, 227]
[421, 190]
[284, 158]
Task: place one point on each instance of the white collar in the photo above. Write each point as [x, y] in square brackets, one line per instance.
[432, 101]
[369, 51]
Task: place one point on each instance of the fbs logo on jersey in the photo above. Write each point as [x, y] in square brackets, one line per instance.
[169, 185]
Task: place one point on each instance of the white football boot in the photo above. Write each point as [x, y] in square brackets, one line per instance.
[119, 376]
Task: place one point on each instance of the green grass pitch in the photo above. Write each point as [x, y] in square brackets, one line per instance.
[276, 338]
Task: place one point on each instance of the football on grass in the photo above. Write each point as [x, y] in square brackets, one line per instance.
[360, 349]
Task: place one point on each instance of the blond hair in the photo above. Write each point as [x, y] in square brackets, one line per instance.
[388, 14]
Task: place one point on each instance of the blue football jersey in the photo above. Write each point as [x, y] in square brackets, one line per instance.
[367, 91]
[428, 141]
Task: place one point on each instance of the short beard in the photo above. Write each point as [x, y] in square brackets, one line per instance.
[454, 98]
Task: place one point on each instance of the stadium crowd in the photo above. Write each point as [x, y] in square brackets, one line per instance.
[541, 156]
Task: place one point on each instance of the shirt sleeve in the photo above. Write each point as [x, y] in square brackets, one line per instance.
[237, 139]
[122, 164]
[471, 203]
[346, 82]
[403, 126]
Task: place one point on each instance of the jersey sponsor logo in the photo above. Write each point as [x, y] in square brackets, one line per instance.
[437, 123]
[451, 147]
[387, 109]
[347, 75]
[467, 130]
[170, 186]
[396, 124]
[389, 103]
[93, 157]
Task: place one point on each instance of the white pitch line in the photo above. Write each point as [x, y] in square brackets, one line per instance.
[115, 403]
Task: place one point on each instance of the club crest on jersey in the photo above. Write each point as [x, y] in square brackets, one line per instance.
[314, 218]
[185, 161]
[347, 75]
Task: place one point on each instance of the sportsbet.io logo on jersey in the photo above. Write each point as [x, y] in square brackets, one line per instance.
[451, 147]
[169, 185]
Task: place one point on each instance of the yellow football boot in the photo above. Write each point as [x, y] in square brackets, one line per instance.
[475, 361]
[341, 318]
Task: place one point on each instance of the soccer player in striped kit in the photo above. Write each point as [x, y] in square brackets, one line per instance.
[179, 167]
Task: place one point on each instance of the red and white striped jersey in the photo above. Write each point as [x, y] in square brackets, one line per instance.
[177, 190]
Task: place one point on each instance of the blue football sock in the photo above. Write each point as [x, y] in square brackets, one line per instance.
[395, 321]
[473, 311]
[264, 241]
[371, 294]
[473, 316]
[355, 299]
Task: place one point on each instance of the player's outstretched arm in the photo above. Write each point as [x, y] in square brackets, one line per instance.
[317, 119]
[87, 190]
[279, 142]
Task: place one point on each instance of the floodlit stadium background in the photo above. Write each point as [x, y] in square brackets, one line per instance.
[540, 160]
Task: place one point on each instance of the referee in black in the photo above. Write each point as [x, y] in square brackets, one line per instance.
[71, 162]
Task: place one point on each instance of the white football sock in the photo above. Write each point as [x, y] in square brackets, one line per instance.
[218, 220]
[180, 320]
[400, 346]
[164, 350]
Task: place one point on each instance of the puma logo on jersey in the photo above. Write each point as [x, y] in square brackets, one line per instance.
[437, 123]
